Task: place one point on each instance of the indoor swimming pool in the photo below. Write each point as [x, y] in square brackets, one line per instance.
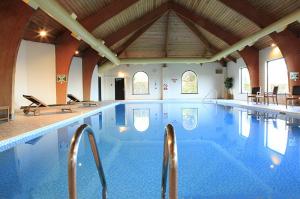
[223, 152]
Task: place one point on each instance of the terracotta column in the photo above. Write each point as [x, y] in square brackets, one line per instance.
[14, 15]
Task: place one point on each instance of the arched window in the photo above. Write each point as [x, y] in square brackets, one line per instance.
[189, 83]
[140, 83]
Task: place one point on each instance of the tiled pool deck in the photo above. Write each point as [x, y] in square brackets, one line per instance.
[291, 111]
[25, 128]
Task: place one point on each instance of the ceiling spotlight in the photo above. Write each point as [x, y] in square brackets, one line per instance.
[43, 33]
[76, 52]
[273, 44]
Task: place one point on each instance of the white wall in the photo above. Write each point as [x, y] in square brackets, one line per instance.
[108, 81]
[209, 83]
[35, 73]
[75, 86]
[94, 86]
[233, 71]
[265, 55]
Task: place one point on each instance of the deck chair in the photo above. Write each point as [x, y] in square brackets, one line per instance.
[36, 106]
[255, 94]
[272, 95]
[295, 95]
[75, 100]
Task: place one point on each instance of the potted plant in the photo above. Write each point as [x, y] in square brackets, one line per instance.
[228, 85]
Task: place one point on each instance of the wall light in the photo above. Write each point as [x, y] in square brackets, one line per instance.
[76, 52]
[43, 33]
[273, 45]
[121, 74]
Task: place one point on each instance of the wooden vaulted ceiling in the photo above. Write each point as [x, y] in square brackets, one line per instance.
[170, 35]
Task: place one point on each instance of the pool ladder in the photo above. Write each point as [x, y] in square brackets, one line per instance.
[169, 162]
[72, 160]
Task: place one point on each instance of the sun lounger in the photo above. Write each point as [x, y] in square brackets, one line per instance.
[75, 100]
[36, 106]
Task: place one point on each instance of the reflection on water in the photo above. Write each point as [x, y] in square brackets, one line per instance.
[276, 135]
[244, 124]
[120, 115]
[233, 149]
[141, 119]
[189, 118]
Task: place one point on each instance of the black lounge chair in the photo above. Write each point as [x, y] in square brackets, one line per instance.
[75, 100]
[37, 105]
[295, 95]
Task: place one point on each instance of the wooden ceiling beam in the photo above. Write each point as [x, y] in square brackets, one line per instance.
[120, 49]
[212, 48]
[112, 9]
[262, 19]
[208, 25]
[92, 21]
[140, 22]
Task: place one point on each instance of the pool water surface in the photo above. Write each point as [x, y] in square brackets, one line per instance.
[223, 152]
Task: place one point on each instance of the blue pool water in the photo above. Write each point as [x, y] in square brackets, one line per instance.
[223, 152]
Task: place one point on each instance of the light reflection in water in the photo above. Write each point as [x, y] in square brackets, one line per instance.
[141, 119]
[244, 124]
[189, 118]
[276, 135]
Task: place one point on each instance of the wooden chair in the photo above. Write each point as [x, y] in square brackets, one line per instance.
[272, 95]
[255, 94]
[37, 105]
[75, 100]
[295, 95]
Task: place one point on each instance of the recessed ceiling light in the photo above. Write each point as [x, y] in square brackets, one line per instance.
[43, 33]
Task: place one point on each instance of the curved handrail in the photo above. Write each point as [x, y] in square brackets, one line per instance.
[169, 162]
[72, 160]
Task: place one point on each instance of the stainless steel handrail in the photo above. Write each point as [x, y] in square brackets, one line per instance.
[72, 160]
[169, 163]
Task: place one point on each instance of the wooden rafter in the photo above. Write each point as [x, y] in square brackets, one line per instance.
[205, 23]
[259, 17]
[120, 49]
[212, 48]
[140, 22]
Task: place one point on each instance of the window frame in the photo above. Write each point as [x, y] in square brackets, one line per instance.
[182, 81]
[148, 92]
[267, 76]
[241, 80]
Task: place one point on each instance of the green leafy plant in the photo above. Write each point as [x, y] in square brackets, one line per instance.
[228, 83]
